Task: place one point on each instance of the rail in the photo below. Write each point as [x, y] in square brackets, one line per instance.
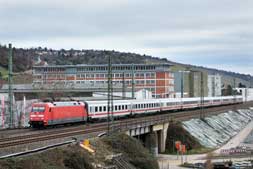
[120, 125]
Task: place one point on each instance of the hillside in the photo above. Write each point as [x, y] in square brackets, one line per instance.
[24, 59]
[75, 157]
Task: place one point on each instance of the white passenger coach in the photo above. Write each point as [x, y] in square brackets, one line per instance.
[121, 108]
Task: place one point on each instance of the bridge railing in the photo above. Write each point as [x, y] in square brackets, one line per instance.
[145, 122]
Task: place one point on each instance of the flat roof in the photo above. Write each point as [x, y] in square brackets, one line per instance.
[100, 65]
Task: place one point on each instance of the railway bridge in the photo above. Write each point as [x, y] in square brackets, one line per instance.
[153, 135]
[152, 130]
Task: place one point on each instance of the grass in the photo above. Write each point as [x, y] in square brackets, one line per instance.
[18, 78]
[72, 157]
[177, 133]
[133, 151]
[176, 68]
[4, 72]
[200, 150]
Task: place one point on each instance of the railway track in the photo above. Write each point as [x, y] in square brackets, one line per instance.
[38, 138]
[122, 124]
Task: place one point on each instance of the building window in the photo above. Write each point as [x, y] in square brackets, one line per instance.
[152, 75]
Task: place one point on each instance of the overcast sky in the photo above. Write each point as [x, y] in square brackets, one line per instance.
[213, 33]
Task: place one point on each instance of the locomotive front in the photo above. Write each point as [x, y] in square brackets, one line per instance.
[38, 115]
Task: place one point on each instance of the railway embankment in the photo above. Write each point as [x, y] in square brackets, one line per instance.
[117, 149]
[209, 133]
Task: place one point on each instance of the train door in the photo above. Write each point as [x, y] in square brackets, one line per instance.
[86, 112]
[50, 115]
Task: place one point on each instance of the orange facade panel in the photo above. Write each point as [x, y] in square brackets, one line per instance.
[70, 78]
[160, 75]
[160, 82]
[167, 75]
[160, 90]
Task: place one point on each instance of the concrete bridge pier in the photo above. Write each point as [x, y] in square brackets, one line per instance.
[151, 142]
[161, 131]
[153, 137]
[156, 139]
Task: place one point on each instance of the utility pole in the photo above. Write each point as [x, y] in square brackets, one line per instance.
[109, 96]
[234, 93]
[123, 86]
[11, 125]
[202, 94]
[133, 81]
[182, 84]
[112, 107]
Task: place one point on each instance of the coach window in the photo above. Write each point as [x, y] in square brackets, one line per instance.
[116, 108]
[119, 107]
[100, 108]
[104, 108]
[125, 106]
[96, 109]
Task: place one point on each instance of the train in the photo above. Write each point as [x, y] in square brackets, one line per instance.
[48, 114]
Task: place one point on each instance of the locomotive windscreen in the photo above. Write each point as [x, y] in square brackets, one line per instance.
[38, 109]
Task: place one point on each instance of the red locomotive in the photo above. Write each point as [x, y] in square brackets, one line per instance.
[46, 114]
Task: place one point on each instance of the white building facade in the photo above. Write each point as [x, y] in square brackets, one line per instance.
[214, 85]
[247, 93]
